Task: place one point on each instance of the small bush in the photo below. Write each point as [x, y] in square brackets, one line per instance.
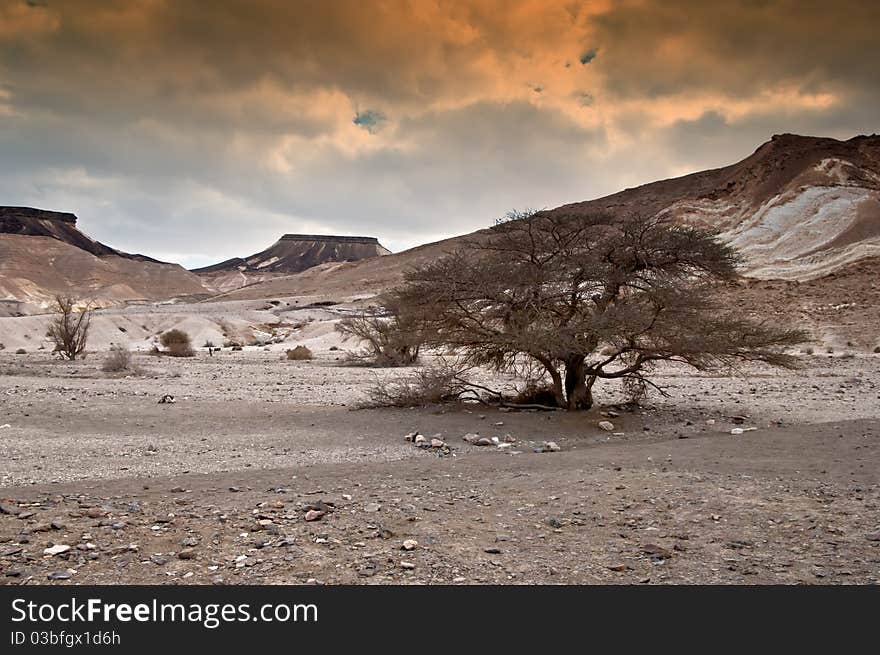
[177, 343]
[119, 359]
[809, 351]
[300, 353]
[426, 387]
[174, 336]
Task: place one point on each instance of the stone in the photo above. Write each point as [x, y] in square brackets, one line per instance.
[437, 443]
[56, 549]
[483, 441]
[158, 560]
[618, 567]
[873, 537]
[187, 553]
[372, 507]
[551, 447]
[492, 550]
[189, 542]
[59, 575]
[11, 510]
[471, 437]
[608, 426]
[410, 544]
[656, 552]
[419, 439]
[407, 565]
[178, 490]
[314, 515]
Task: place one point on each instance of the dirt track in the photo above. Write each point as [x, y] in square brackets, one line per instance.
[795, 501]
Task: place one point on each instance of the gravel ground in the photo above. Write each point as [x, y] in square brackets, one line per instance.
[216, 486]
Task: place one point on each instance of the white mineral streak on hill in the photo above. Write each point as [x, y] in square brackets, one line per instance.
[825, 218]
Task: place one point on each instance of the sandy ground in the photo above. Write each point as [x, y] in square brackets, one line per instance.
[216, 486]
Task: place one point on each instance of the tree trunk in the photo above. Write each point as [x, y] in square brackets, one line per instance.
[558, 391]
[578, 392]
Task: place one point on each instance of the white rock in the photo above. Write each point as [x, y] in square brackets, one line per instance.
[410, 544]
[608, 426]
[57, 549]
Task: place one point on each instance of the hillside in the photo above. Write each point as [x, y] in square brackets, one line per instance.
[43, 253]
[798, 208]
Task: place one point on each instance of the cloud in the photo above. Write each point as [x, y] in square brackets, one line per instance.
[230, 124]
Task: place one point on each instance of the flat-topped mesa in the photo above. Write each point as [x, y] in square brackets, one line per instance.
[13, 218]
[293, 253]
[371, 241]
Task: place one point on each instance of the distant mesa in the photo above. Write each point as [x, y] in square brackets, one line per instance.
[28, 221]
[43, 253]
[294, 253]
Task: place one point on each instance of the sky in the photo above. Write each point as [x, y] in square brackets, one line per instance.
[196, 131]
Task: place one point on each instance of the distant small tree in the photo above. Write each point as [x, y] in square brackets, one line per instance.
[69, 330]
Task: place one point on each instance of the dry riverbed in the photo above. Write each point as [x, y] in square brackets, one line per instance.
[102, 484]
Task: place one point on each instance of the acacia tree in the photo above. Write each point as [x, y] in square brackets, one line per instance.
[69, 330]
[588, 297]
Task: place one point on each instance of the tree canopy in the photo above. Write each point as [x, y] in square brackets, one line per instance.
[587, 297]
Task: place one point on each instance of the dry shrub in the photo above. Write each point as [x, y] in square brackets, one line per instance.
[177, 343]
[118, 359]
[427, 386]
[536, 393]
[299, 353]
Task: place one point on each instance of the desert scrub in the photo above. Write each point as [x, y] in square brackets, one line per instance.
[117, 360]
[177, 343]
[299, 353]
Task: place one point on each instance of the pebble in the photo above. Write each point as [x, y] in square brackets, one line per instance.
[407, 565]
[314, 515]
[372, 507]
[59, 575]
[410, 544]
[608, 426]
[56, 550]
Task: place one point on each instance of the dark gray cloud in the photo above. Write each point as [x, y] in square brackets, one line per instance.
[197, 132]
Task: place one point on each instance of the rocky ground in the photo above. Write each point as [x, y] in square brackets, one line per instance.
[263, 471]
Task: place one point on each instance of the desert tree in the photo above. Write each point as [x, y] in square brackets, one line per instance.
[389, 333]
[588, 297]
[69, 329]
